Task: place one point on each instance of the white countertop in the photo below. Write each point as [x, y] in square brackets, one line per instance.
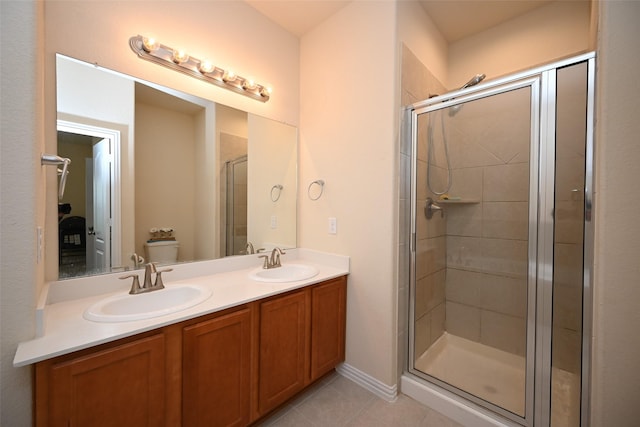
[63, 328]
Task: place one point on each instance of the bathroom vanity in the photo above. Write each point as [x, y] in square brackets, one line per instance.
[216, 364]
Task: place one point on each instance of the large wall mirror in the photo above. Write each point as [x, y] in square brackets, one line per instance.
[162, 176]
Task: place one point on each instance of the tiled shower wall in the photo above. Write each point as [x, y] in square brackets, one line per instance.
[487, 234]
[471, 263]
[418, 83]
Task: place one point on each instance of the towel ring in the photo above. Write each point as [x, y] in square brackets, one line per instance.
[277, 197]
[318, 182]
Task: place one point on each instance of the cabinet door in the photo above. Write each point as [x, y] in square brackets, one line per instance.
[282, 351]
[217, 363]
[119, 386]
[328, 315]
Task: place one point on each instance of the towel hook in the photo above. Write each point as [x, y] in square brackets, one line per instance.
[53, 160]
[277, 197]
[318, 182]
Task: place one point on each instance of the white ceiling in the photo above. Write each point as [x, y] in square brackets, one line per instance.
[455, 19]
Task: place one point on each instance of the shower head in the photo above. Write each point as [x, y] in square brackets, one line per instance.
[474, 81]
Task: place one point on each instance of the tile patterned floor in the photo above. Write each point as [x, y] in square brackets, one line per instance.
[336, 401]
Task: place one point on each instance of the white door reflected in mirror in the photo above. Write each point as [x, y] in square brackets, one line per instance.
[168, 169]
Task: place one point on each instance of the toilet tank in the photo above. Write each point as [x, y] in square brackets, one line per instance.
[164, 251]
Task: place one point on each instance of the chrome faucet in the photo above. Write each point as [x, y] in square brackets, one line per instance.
[250, 249]
[274, 260]
[137, 260]
[147, 286]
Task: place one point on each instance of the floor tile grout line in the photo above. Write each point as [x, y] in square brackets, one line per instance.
[366, 405]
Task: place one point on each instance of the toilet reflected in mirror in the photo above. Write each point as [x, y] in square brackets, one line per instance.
[162, 251]
[166, 163]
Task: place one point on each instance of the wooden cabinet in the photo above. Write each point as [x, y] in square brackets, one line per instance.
[282, 349]
[217, 367]
[122, 385]
[225, 369]
[328, 316]
[301, 338]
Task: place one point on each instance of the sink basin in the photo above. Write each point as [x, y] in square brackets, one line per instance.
[125, 307]
[286, 273]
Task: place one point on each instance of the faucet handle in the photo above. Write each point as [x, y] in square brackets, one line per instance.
[158, 283]
[266, 264]
[135, 286]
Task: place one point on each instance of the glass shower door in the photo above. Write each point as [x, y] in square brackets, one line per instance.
[502, 244]
[476, 172]
[236, 205]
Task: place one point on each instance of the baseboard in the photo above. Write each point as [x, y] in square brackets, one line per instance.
[380, 389]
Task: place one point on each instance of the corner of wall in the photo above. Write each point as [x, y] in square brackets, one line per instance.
[22, 182]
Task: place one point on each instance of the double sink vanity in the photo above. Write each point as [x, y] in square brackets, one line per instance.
[224, 343]
[221, 342]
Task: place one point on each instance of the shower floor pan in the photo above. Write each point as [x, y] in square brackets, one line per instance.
[497, 377]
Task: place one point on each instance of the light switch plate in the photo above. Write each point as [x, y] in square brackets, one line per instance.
[333, 226]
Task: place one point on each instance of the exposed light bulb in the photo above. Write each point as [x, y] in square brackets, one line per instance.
[266, 91]
[228, 76]
[249, 84]
[180, 56]
[149, 44]
[149, 49]
[206, 66]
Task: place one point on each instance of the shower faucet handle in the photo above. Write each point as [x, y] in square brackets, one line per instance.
[432, 207]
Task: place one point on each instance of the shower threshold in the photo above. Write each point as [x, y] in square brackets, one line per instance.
[496, 376]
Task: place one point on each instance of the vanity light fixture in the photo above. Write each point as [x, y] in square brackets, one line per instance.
[178, 60]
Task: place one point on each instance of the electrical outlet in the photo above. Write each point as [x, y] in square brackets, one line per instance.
[274, 221]
[333, 226]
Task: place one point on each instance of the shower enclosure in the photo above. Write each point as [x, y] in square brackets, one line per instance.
[236, 206]
[500, 244]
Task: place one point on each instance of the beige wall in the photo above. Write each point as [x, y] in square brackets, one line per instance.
[276, 142]
[548, 33]
[165, 143]
[415, 29]
[75, 188]
[616, 351]
[347, 138]
[206, 185]
[21, 197]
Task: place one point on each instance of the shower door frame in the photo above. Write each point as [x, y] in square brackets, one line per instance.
[230, 202]
[542, 83]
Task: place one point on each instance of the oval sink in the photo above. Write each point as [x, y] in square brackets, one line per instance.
[125, 308]
[286, 273]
